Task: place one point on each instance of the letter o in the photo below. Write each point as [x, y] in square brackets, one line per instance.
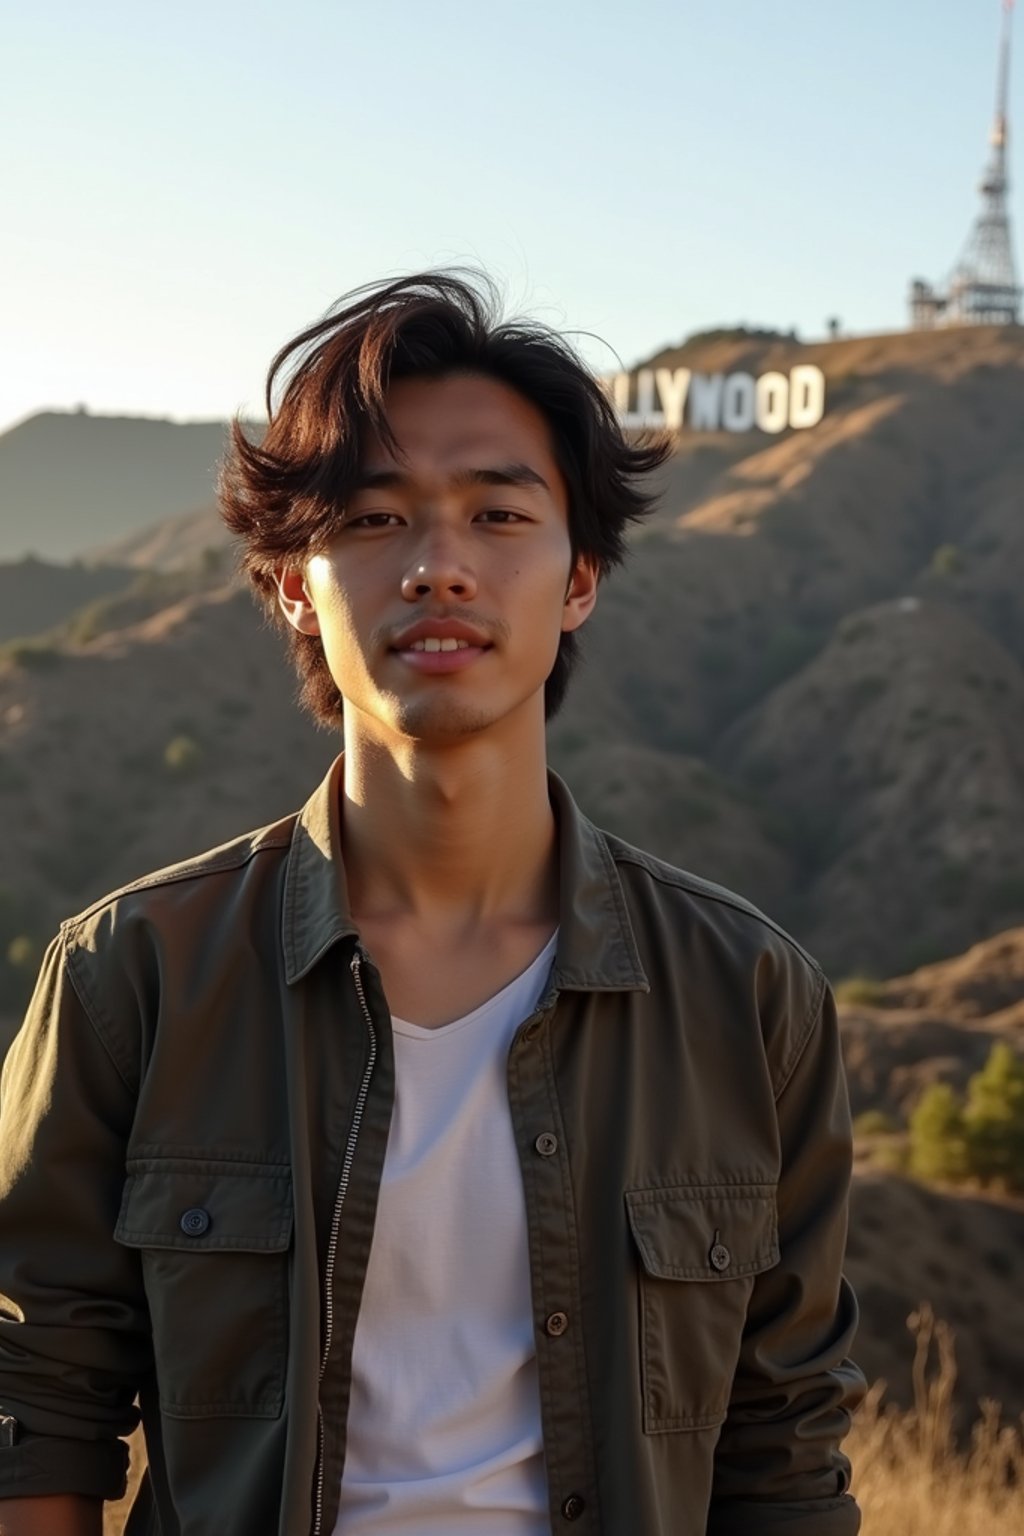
[773, 402]
[739, 403]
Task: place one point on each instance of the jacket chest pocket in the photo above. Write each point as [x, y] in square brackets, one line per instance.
[700, 1247]
[213, 1239]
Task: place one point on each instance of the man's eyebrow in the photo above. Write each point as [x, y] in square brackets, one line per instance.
[500, 474]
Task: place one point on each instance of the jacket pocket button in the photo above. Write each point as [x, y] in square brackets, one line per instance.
[556, 1325]
[195, 1222]
[573, 1507]
[546, 1144]
[720, 1257]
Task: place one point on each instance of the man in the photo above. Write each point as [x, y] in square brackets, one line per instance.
[429, 1162]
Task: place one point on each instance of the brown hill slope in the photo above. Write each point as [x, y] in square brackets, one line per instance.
[964, 1255]
[756, 702]
[171, 544]
[93, 791]
[898, 755]
[937, 1024]
[36, 595]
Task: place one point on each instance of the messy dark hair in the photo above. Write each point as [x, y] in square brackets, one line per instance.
[282, 495]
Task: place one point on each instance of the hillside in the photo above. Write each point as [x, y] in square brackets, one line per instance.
[37, 595]
[937, 1024]
[93, 790]
[807, 684]
[962, 1254]
[71, 483]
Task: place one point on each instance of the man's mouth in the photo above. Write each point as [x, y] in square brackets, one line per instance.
[434, 644]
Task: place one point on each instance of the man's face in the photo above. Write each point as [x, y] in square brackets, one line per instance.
[469, 524]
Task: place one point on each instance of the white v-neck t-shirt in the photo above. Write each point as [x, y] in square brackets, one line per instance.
[444, 1432]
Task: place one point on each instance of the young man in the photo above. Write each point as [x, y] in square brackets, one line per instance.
[430, 1162]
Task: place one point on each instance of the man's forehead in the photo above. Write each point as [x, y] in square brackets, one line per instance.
[461, 426]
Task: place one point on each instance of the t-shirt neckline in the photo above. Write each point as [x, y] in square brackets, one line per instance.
[483, 1010]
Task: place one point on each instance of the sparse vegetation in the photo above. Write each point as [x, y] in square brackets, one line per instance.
[981, 1139]
[946, 561]
[875, 1122]
[22, 953]
[32, 655]
[938, 1148]
[860, 991]
[911, 1474]
[182, 755]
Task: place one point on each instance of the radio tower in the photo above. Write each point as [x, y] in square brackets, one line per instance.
[983, 288]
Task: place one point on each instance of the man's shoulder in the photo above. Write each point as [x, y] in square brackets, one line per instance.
[695, 893]
[724, 946]
[249, 853]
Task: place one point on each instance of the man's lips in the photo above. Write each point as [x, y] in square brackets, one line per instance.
[441, 645]
[439, 629]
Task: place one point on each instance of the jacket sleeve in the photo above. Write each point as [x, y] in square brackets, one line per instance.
[74, 1335]
[779, 1470]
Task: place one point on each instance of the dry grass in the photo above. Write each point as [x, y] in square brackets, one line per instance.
[911, 1476]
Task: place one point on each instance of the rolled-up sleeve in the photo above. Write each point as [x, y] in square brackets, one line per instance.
[74, 1333]
[779, 1467]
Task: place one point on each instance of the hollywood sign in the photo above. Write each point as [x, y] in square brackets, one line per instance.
[715, 402]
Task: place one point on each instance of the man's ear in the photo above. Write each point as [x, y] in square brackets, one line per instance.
[582, 593]
[296, 603]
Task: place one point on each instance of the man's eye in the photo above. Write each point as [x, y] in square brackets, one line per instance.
[502, 514]
[370, 520]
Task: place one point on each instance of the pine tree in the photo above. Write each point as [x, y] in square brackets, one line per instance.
[994, 1119]
[938, 1147]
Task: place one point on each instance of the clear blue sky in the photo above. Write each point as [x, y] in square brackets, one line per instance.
[187, 185]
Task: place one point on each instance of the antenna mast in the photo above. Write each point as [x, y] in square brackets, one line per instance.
[983, 288]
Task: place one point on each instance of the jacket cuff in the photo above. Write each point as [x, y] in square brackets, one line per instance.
[41, 1464]
[814, 1517]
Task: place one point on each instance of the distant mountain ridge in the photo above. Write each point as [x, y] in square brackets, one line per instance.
[73, 482]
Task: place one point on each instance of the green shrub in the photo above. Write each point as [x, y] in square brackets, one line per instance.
[875, 1122]
[994, 1118]
[32, 655]
[23, 953]
[983, 1139]
[182, 755]
[938, 1143]
[946, 561]
[860, 991]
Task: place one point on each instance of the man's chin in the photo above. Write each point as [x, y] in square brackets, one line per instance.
[440, 722]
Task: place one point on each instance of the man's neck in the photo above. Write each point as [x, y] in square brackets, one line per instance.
[459, 838]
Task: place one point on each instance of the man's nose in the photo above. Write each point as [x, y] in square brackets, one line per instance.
[439, 570]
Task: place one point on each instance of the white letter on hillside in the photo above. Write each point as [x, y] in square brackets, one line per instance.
[672, 391]
[706, 402]
[620, 393]
[773, 402]
[807, 396]
[738, 403]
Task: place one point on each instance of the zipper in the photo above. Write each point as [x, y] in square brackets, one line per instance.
[339, 1200]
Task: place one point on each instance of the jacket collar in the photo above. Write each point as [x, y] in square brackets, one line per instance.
[596, 945]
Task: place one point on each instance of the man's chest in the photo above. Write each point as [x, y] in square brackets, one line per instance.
[430, 981]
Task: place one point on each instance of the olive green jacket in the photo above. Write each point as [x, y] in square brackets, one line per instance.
[194, 1119]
